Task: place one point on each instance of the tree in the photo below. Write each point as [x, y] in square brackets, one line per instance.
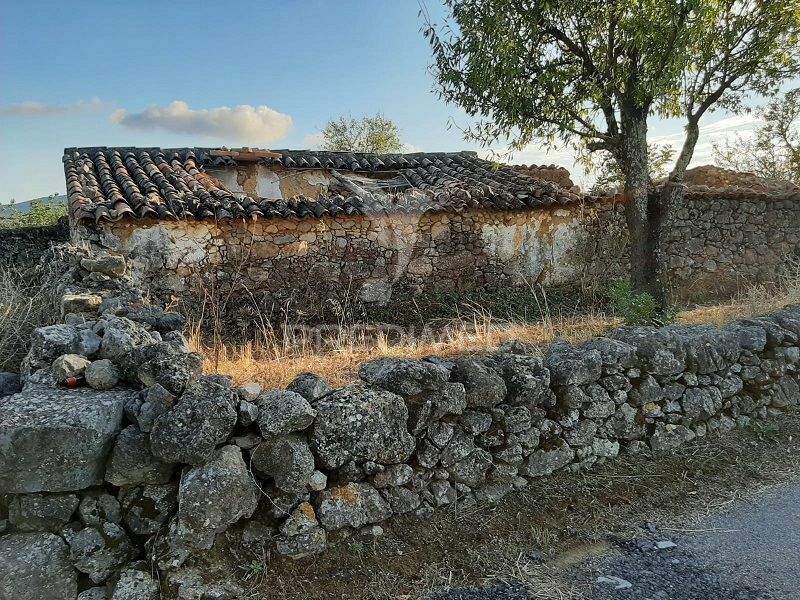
[610, 178]
[774, 150]
[369, 134]
[591, 73]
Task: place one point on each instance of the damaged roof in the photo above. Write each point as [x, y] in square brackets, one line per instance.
[110, 184]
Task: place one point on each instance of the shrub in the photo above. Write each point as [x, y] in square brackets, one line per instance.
[41, 212]
[633, 308]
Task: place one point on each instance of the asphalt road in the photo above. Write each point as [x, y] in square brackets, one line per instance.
[749, 552]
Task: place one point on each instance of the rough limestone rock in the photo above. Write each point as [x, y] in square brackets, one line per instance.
[658, 350]
[211, 497]
[707, 348]
[351, 505]
[310, 386]
[95, 593]
[48, 343]
[248, 413]
[173, 372]
[471, 470]
[147, 508]
[361, 423]
[107, 264]
[570, 365]
[484, 387]
[401, 500]
[669, 437]
[10, 383]
[132, 461]
[281, 412]
[288, 460]
[156, 401]
[41, 512]
[627, 423]
[203, 418]
[697, 403]
[120, 336]
[80, 303]
[98, 506]
[404, 376]
[613, 353]
[56, 439]
[156, 317]
[526, 378]
[36, 566]
[99, 550]
[136, 584]
[69, 365]
[555, 455]
[300, 534]
[392, 476]
[135, 356]
[101, 374]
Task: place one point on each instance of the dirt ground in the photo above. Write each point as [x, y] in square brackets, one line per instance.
[532, 538]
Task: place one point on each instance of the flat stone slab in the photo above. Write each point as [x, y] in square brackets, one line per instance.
[57, 440]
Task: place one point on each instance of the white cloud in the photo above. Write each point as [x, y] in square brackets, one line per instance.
[244, 123]
[410, 148]
[38, 109]
[314, 141]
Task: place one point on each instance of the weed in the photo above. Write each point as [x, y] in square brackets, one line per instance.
[256, 567]
[356, 548]
[636, 308]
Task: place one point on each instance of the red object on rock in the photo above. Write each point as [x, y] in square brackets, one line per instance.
[72, 382]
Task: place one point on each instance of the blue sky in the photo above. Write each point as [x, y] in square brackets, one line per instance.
[147, 73]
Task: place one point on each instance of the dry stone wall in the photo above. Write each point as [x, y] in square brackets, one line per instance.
[715, 246]
[143, 465]
[23, 247]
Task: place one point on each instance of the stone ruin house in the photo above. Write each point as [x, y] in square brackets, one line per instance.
[303, 226]
[153, 476]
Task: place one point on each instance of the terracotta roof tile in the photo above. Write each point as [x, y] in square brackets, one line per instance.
[109, 184]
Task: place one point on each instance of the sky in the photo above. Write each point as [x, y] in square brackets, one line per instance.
[264, 73]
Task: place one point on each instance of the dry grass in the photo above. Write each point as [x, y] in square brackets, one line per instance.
[752, 301]
[336, 352]
[24, 305]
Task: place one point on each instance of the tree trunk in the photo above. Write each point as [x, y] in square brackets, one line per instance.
[642, 209]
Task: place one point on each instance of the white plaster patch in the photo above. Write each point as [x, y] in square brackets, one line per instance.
[566, 244]
[268, 184]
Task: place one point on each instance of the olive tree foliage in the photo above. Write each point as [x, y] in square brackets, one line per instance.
[774, 150]
[368, 134]
[591, 73]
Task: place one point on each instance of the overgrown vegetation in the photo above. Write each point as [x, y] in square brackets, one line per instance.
[636, 308]
[774, 150]
[24, 305]
[41, 212]
[368, 134]
[449, 324]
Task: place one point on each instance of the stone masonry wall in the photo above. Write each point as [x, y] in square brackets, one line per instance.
[22, 248]
[714, 247]
[376, 257]
[139, 469]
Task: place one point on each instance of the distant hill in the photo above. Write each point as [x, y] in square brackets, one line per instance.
[24, 207]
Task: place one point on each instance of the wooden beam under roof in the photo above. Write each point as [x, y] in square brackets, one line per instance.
[245, 154]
